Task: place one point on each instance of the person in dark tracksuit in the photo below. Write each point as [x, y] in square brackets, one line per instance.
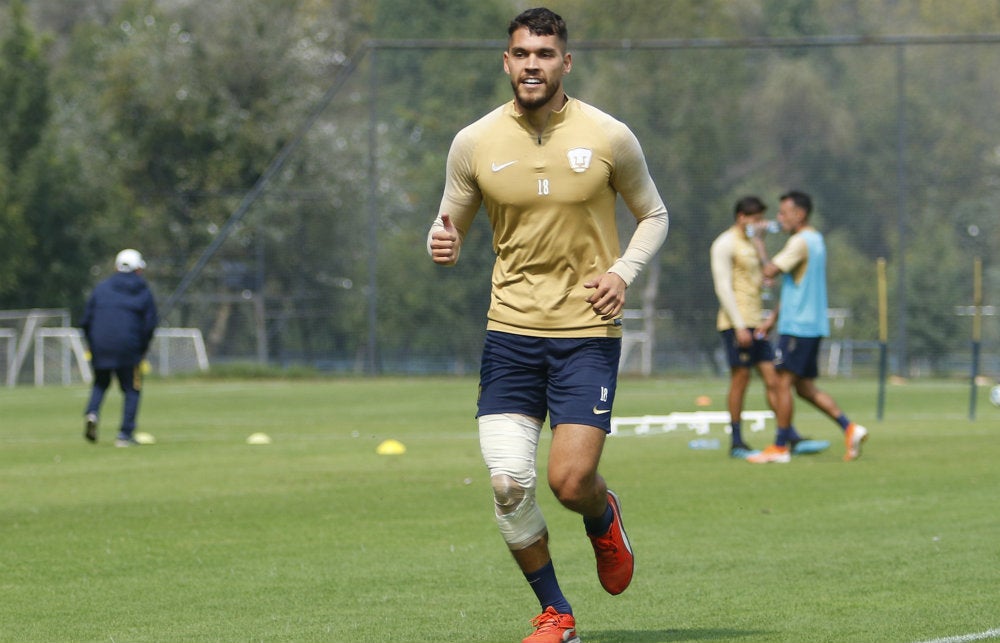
[118, 322]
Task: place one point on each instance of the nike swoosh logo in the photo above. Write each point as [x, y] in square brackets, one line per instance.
[598, 411]
[497, 168]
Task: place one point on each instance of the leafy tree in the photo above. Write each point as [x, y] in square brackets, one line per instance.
[61, 210]
[144, 123]
[423, 100]
[687, 110]
[24, 94]
[820, 119]
[192, 103]
[15, 241]
[45, 236]
[20, 128]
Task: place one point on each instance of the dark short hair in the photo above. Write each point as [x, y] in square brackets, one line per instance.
[800, 199]
[540, 22]
[748, 205]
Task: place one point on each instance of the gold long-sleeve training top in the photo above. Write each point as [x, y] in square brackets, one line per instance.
[738, 280]
[550, 199]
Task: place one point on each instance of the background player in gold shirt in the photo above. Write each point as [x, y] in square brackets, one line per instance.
[738, 282]
[548, 169]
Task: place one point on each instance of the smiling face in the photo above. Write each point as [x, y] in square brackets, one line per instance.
[536, 65]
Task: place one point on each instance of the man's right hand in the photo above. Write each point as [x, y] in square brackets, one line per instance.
[444, 243]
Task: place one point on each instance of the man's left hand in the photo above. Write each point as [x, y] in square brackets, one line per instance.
[608, 297]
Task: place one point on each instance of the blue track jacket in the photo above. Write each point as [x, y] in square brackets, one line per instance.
[119, 321]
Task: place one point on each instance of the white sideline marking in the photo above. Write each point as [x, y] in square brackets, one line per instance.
[988, 634]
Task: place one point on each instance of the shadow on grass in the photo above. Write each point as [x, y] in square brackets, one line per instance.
[668, 636]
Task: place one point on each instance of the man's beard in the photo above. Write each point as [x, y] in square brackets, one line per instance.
[530, 103]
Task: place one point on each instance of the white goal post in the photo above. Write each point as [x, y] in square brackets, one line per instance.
[178, 350]
[70, 350]
[18, 328]
[61, 356]
[8, 351]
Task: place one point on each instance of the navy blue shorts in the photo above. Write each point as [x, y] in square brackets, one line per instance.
[800, 355]
[570, 379]
[745, 357]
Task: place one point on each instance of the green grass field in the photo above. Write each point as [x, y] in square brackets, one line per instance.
[315, 537]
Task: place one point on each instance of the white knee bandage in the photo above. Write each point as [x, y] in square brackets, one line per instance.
[509, 443]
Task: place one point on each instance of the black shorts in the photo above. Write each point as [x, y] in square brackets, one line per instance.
[799, 355]
[571, 379]
[745, 357]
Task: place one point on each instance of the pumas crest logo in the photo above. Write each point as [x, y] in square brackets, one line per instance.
[579, 158]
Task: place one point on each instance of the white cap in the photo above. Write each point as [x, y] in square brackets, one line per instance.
[129, 260]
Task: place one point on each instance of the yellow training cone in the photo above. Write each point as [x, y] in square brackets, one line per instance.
[391, 447]
[258, 438]
[144, 438]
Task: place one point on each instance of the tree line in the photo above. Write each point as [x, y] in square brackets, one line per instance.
[142, 123]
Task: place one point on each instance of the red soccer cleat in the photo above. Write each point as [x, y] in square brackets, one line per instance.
[553, 627]
[615, 562]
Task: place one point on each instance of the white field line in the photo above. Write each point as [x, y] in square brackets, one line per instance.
[962, 638]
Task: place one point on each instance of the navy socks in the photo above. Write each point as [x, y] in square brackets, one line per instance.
[735, 435]
[599, 526]
[543, 582]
